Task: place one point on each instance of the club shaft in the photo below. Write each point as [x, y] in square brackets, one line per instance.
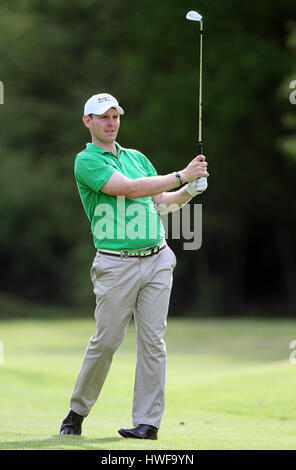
[200, 91]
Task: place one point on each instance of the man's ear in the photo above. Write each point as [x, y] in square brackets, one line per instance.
[86, 119]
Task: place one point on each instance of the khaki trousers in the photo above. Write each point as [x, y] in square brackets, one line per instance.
[126, 286]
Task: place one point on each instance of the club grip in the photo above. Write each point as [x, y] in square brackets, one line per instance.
[200, 148]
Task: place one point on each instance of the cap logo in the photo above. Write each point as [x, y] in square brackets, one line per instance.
[105, 98]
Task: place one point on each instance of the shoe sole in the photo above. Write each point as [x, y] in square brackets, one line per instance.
[63, 432]
[134, 436]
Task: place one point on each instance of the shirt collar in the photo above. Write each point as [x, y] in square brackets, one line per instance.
[95, 148]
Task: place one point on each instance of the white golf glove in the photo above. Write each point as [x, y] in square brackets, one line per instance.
[197, 186]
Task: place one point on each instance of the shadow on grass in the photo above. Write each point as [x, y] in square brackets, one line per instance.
[61, 443]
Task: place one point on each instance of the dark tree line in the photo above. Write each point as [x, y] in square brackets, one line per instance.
[54, 55]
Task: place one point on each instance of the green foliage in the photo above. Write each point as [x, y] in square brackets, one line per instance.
[54, 55]
[287, 143]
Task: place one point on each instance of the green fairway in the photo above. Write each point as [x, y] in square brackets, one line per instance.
[230, 385]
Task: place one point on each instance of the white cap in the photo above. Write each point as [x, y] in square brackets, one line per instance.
[99, 104]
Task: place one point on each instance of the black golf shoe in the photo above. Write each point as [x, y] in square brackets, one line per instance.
[143, 431]
[72, 424]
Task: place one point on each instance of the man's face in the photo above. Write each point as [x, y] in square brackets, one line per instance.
[104, 127]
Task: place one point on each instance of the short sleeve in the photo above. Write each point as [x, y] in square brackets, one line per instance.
[92, 172]
[148, 165]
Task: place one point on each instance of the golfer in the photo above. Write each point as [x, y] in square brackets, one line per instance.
[133, 268]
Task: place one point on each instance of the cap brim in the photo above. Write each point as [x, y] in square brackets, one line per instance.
[119, 109]
[104, 109]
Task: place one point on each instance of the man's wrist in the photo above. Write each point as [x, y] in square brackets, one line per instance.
[182, 176]
[179, 179]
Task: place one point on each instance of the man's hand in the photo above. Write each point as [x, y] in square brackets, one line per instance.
[195, 169]
[197, 186]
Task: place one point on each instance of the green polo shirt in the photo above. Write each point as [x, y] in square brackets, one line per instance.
[117, 222]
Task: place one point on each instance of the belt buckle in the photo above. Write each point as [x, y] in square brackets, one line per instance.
[156, 249]
[124, 254]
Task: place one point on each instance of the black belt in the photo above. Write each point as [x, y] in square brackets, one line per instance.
[142, 253]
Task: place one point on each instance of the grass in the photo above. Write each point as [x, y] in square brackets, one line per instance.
[230, 385]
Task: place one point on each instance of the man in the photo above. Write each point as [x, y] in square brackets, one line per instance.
[132, 270]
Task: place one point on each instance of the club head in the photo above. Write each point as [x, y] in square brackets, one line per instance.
[193, 16]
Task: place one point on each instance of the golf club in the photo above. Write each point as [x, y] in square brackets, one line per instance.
[194, 16]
